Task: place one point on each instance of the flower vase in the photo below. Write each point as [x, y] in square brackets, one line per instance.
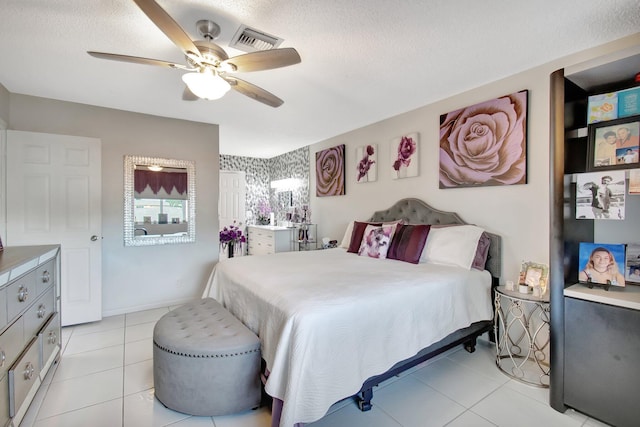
[230, 247]
[402, 172]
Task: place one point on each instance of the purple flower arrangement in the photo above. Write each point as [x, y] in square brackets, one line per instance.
[264, 210]
[232, 235]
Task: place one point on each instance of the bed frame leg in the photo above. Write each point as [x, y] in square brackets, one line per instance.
[470, 345]
[364, 400]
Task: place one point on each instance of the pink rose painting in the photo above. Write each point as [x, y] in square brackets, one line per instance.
[366, 156]
[404, 156]
[485, 144]
[330, 172]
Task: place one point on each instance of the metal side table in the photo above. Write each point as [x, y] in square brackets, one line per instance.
[522, 336]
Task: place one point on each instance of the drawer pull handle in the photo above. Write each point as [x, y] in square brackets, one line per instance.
[3, 358]
[29, 371]
[42, 311]
[46, 276]
[23, 294]
[53, 337]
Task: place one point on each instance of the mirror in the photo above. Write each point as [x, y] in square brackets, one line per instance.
[159, 201]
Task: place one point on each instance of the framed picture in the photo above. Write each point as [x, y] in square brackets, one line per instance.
[601, 263]
[485, 144]
[534, 275]
[634, 181]
[632, 267]
[330, 172]
[614, 144]
[405, 154]
[601, 195]
[367, 158]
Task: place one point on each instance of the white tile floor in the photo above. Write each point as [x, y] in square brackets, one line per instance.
[105, 378]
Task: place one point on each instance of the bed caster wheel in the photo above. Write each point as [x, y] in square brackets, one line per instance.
[364, 406]
[470, 347]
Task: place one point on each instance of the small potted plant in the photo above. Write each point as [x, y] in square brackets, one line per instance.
[264, 211]
[232, 238]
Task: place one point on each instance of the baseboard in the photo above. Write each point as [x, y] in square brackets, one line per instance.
[143, 307]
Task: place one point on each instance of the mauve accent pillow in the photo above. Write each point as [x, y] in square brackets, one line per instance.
[358, 232]
[408, 243]
[482, 252]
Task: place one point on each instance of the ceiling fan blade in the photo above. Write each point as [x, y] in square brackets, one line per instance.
[168, 26]
[187, 95]
[135, 59]
[264, 60]
[253, 91]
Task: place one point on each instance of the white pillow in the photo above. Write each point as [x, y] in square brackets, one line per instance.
[346, 240]
[455, 245]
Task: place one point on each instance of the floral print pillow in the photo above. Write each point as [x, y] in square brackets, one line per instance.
[376, 240]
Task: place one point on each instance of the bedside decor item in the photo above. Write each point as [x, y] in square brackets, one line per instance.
[231, 238]
[632, 267]
[601, 195]
[330, 172]
[404, 156]
[367, 156]
[599, 264]
[535, 277]
[614, 144]
[485, 144]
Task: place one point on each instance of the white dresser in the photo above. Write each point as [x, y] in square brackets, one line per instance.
[268, 239]
[29, 325]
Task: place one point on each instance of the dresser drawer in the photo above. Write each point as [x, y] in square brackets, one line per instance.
[11, 344]
[23, 375]
[45, 276]
[37, 314]
[20, 294]
[4, 400]
[49, 339]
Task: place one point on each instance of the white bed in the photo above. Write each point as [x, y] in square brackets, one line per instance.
[328, 320]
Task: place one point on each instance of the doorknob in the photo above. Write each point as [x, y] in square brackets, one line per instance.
[94, 238]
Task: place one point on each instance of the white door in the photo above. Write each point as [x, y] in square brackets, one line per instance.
[54, 197]
[231, 206]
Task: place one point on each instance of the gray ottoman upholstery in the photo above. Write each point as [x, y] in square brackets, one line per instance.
[205, 361]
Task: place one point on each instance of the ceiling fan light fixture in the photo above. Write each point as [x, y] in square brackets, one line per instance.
[206, 84]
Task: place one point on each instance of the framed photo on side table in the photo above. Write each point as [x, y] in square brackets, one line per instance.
[614, 144]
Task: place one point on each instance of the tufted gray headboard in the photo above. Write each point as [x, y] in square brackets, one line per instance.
[415, 211]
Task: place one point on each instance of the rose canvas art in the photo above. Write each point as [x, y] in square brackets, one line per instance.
[485, 144]
[330, 172]
[404, 156]
[366, 156]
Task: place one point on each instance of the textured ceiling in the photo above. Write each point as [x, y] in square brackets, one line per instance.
[362, 60]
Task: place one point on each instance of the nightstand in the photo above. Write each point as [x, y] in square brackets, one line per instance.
[522, 336]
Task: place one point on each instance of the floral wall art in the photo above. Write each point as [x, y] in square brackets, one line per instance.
[367, 157]
[330, 172]
[485, 144]
[404, 156]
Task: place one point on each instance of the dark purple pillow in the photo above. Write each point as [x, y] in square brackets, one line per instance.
[357, 234]
[482, 251]
[408, 243]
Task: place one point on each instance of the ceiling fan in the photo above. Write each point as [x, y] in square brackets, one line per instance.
[207, 64]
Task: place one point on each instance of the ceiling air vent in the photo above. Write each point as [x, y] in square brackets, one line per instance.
[250, 40]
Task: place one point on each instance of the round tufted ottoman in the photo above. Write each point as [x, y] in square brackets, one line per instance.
[205, 361]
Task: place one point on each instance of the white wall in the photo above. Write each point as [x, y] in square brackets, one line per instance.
[519, 213]
[136, 278]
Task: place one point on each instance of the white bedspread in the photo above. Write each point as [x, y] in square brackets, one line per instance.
[328, 319]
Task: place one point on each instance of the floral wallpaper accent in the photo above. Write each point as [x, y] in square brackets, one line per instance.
[330, 172]
[260, 173]
[485, 144]
[367, 157]
[404, 156]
